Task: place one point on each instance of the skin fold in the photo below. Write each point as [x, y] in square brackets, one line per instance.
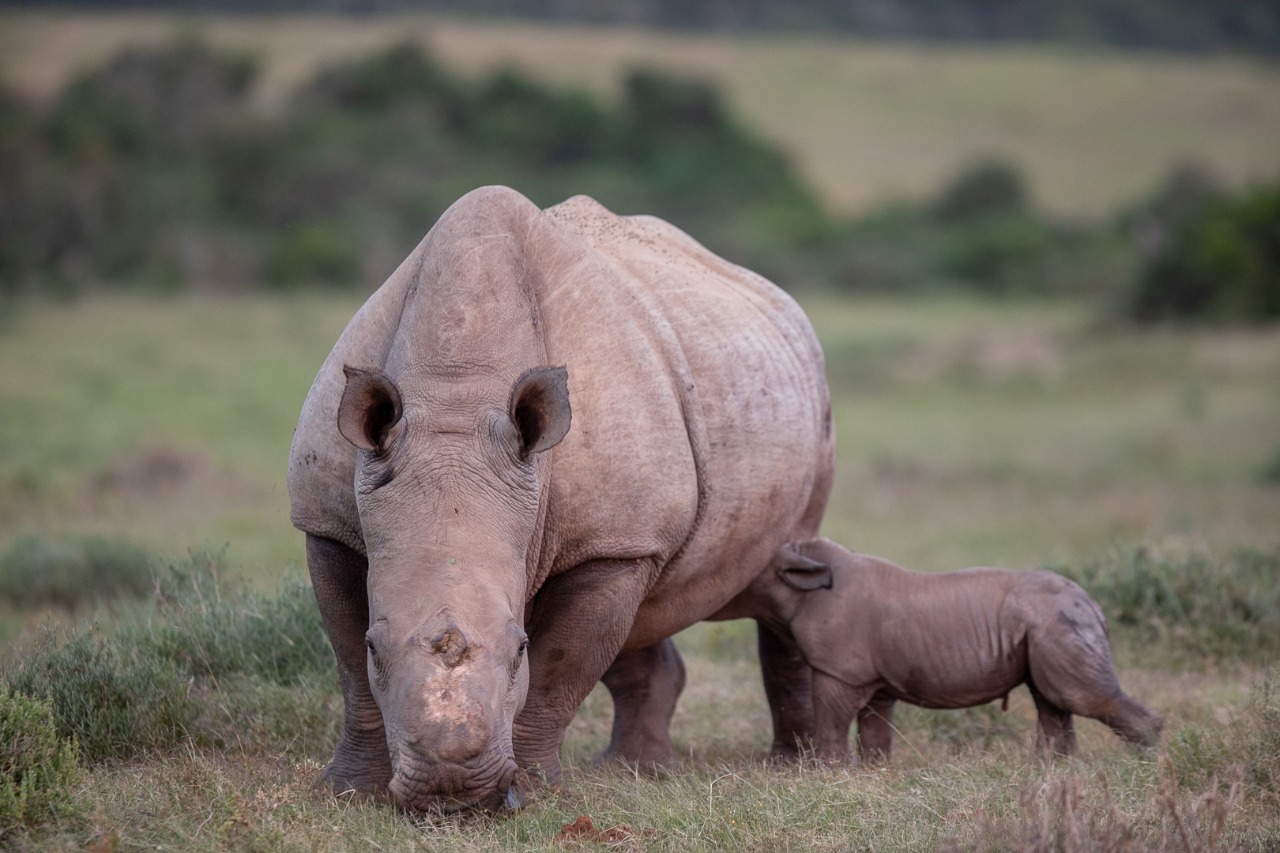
[550, 441]
[876, 633]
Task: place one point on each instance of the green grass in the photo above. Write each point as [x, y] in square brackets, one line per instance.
[865, 121]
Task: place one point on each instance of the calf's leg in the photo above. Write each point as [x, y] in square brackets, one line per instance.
[834, 706]
[875, 729]
[1057, 732]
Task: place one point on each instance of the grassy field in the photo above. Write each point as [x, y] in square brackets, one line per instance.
[969, 433]
[864, 121]
[1022, 434]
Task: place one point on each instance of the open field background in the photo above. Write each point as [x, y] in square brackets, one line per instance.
[1018, 433]
[866, 122]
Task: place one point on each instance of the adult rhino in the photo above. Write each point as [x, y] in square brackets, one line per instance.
[474, 582]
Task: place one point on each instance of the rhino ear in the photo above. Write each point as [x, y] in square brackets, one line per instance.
[799, 572]
[370, 407]
[539, 408]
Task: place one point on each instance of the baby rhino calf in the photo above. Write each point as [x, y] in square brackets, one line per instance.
[875, 633]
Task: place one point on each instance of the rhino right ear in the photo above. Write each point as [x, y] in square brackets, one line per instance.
[799, 572]
[370, 407]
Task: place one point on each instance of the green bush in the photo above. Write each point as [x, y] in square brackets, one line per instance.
[114, 699]
[69, 572]
[212, 631]
[1194, 605]
[990, 186]
[38, 766]
[1219, 262]
[1271, 471]
[314, 253]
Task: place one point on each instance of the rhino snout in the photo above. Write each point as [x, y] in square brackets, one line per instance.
[488, 786]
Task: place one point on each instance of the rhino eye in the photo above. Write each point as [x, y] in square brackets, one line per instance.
[379, 668]
[520, 653]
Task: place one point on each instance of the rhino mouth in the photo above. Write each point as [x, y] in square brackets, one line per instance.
[441, 789]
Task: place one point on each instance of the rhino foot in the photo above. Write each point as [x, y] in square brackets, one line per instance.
[360, 765]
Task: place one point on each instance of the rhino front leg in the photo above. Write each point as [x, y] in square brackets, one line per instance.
[835, 704]
[875, 729]
[645, 685]
[788, 685]
[361, 761]
[577, 624]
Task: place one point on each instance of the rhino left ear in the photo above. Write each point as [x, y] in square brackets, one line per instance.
[370, 407]
[539, 408]
[799, 572]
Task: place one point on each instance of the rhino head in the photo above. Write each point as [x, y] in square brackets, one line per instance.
[448, 485]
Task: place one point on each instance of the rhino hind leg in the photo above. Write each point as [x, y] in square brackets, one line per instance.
[599, 600]
[875, 729]
[1071, 665]
[361, 761]
[788, 685]
[1057, 732]
[645, 685]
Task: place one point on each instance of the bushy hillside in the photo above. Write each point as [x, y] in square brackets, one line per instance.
[154, 169]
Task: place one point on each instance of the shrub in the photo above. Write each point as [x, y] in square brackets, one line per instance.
[1226, 608]
[156, 101]
[991, 186]
[1221, 262]
[38, 766]
[214, 632]
[115, 700]
[1271, 470]
[69, 572]
[314, 253]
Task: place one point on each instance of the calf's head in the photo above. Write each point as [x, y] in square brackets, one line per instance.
[448, 484]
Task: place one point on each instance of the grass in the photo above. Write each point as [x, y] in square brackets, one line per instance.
[865, 121]
[969, 432]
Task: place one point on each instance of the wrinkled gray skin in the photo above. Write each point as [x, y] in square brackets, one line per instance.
[876, 633]
[551, 440]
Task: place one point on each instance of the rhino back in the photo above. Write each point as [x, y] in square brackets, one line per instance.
[701, 414]
[701, 422]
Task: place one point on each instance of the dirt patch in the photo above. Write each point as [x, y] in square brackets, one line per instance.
[583, 831]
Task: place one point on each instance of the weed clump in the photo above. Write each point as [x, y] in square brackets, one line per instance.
[69, 572]
[212, 631]
[115, 700]
[1228, 608]
[38, 766]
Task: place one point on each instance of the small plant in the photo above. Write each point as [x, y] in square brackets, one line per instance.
[113, 699]
[212, 631]
[68, 572]
[38, 766]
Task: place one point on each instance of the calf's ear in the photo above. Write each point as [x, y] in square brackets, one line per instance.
[370, 407]
[539, 408]
[799, 572]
